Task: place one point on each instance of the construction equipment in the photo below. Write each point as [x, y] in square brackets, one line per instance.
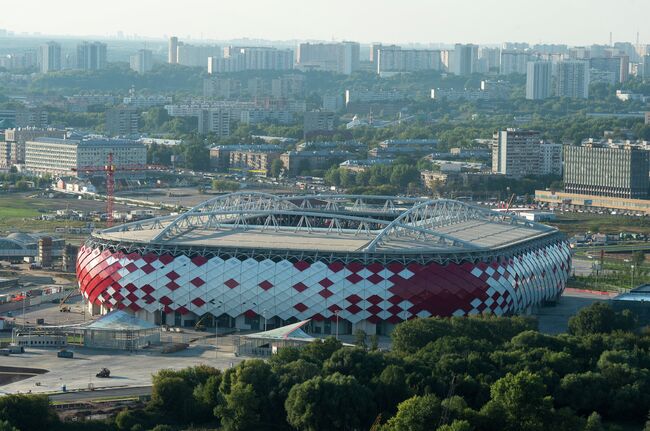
[104, 373]
[110, 170]
[199, 326]
[507, 207]
[63, 308]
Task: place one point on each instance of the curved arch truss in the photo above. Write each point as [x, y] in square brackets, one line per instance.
[381, 219]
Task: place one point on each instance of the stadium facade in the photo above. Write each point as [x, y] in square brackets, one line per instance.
[253, 260]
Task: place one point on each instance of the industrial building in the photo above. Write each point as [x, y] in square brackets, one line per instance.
[251, 259]
[613, 170]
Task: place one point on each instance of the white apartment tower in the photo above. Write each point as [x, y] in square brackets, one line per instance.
[516, 152]
[91, 56]
[538, 80]
[513, 62]
[142, 61]
[572, 79]
[465, 59]
[50, 57]
[172, 56]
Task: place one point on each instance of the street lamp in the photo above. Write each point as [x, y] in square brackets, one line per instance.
[216, 332]
[264, 315]
[336, 313]
[632, 279]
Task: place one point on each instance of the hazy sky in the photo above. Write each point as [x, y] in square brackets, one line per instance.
[481, 21]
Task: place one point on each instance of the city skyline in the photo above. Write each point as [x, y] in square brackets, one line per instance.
[419, 21]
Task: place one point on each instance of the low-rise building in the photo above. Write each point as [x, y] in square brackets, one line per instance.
[296, 162]
[257, 158]
[317, 122]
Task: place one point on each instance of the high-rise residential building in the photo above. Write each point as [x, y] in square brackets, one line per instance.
[91, 56]
[513, 62]
[237, 59]
[465, 59]
[215, 121]
[68, 157]
[395, 59]
[579, 53]
[516, 152]
[619, 171]
[550, 159]
[332, 57]
[489, 59]
[572, 79]
[50, 57]
[142, 61]
[374, 52]
[288, 86]
[122, 121]
[318, 121]
[196, 55]
[515, 46]
[539, 80]
[646, 66]
[22, 60]
[617, 66]
[172, 55]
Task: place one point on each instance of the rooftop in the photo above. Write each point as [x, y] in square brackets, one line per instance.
[91, 141]
[333, 223]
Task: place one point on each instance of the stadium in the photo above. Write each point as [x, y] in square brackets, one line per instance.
[252, 260]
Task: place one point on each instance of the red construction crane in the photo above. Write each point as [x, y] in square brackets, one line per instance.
[110, 170]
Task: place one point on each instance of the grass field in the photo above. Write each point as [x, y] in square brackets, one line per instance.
[20, 212]
[578, 223]
[19, 207]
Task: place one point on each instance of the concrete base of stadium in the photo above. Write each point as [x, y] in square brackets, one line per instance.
[244, 322]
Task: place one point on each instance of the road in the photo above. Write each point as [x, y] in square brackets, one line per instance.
[101, 394]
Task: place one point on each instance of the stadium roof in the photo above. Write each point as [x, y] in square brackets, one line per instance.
[333, 223]
[120, 320]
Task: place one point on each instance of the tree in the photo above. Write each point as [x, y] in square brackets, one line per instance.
[594, 423]
[196, 156]
[522, 398]
[126, 419]
[418, 413]
[6, 426]
[335, 402]
[391, 388]
[172, 396]
[374, 342]
[600, 318]
[225, 185]
[320, 350]
[27, 412]
[360, 338]
[250, 398]
[240, 410]
[583, 392]
[457, 425]
[276, 168]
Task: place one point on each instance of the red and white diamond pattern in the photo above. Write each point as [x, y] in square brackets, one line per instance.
[373, 292]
